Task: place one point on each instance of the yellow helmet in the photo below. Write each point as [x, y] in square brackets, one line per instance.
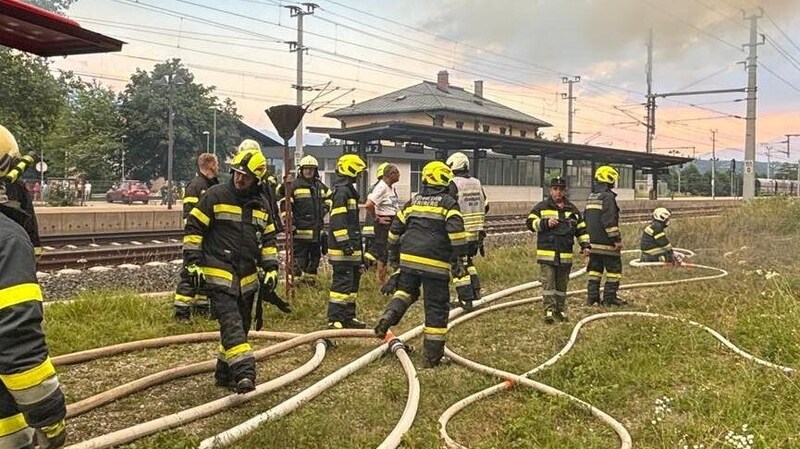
[436, 173]
[9, 150]
[458, 161]
[350, 165]
[381, 169]
[249, 144]
[250, 162]
[607, 174]
[308, 161]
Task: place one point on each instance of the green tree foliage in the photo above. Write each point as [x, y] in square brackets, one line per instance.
[144, 105]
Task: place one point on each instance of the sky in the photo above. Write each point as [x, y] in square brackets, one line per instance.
[359, 49]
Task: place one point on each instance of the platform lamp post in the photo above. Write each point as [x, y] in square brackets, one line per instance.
[170, 81]
[122, 150]
[677, 153]
[208, 140]
[285, 118]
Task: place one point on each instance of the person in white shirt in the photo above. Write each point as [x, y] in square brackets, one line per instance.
[382, 205]
[87, 191]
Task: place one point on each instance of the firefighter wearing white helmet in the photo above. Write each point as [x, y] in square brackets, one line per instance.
[311, 201]
[32, 406]
[474, 205]
[654, 245]
[602, 220]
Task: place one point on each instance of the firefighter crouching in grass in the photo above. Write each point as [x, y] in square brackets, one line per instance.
[230, 236]
[427, 240]
[557, 223]
[32, 406]
[655, 246]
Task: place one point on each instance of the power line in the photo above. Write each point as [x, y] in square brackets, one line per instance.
[775, 24]
[692, 26]
[773, 73]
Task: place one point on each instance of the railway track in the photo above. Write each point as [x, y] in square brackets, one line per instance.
[83, 251]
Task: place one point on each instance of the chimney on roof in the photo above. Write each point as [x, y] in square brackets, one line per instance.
[443, 80]
[479, 88]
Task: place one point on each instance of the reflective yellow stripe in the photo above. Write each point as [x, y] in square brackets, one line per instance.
[452, 213]
[190, 199]
[302, 191]
[305, 232]
[12, 424]
[227, 208]
[424, 261]
[434, 330]
[247, 280]
[352, 204]
[198, 214]
[659, 235]
[269, 250]
[342, 296]
[238, 349]
[458, 235]
[431, 209]
[216, 272]
[594, 206]
[648, 230]
[11, 296]
[339, 210]
[340, 233]
[545, 252]
[613, 275]
[29, 378]
[259, 214]
[37, 250]
[192, 239]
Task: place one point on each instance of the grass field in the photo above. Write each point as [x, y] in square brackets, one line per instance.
[671, 385]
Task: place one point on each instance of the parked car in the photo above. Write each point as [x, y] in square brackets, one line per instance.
[128, 192]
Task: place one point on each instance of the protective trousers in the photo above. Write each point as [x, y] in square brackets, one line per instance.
[235, 360]
[554, 280]
[468, 287]
[186, 298]
[437, 297]
[344, 292]
[306, 258]
[612, 265]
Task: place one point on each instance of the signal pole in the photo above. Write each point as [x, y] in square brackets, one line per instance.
[569, 97]
[650, 117]
[749, 175]
[713, 164]
[299, 48]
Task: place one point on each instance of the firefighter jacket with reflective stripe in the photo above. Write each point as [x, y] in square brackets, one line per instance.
[22, 204]
[344, 229]
[430, 233]
[26, 371]
[554, 244]
[472, 201]
[654, 240]
[230, 234]
[368, 230]
[194, 190]
[311, 201]
[270, 196]
[602, 220]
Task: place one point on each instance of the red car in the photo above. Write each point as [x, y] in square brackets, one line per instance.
[128, 192]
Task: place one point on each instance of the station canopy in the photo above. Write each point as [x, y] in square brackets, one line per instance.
[35, 30]
[460, 139]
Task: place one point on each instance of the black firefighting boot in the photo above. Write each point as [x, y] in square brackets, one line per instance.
[549, 316]
[558, 312]
[610, 295]
[432, 351]
[52, 436]
[593, 296]
[183, 314]
[222, 376]
[386, 321]
[351, 322]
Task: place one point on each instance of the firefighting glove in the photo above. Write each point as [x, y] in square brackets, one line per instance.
[270, 280]
[481, 237]
[275, 300]
[195, 275]
[348, 250]
[393, 257]
[323, 243]
[458, 268]
[391, 284]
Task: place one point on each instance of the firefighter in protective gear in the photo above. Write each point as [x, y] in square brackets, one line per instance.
[269, 185]
[602, 220]
[345, 254]
[229, 237]
[433, 242]
[311, 201]
[14, 194]
[655, 246]
[368, 230]
[557, 224]
[474, 206]
[32, 406]
[186, 296]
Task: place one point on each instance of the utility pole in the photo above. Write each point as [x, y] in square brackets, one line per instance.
[749, 175]
[299, 48]
[651, 110]
[568, 96]
[215, 131]
[788, 152]
[713, 164]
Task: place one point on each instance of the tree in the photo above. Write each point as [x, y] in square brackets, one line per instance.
[144, 106]
[330, 142]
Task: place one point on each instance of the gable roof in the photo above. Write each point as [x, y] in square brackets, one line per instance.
[427, 97]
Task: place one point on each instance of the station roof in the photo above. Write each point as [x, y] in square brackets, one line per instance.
[248, 132]
[427, 97]
[35, 30]
[461, 139]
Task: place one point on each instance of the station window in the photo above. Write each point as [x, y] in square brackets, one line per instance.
[416, 175]
[502, 130]
[508, 172]
[460, 125]
[486, 128]
[477, 124]
[522, 133]
[625, 176]
[438, 120]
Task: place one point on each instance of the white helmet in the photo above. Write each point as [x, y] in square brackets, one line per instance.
[458, 161]
[308, 161]
[661, 214]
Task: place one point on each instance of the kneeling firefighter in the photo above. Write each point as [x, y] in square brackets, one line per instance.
[432, 247]
[655, 246]
[32, 406]
[229, 236]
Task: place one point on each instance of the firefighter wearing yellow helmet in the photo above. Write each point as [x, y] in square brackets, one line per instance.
[345, 254]
[433, 242]
[230, 237]
[602, 221]
[32, 406]
[311, 201]
[13, 192]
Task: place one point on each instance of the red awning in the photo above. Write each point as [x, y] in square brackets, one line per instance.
[35, 30]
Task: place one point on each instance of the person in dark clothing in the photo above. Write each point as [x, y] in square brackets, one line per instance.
[654, 245]
[229, 238]
[20, 199]
[186, 296]
[32, 405]
[557, 224]
[602, 220]
[345, 254]
[428, 242]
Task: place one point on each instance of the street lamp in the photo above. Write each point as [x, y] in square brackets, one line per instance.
[215, 130]
[208, 137]
[122, 150]
[677, 153]
[170, 81]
